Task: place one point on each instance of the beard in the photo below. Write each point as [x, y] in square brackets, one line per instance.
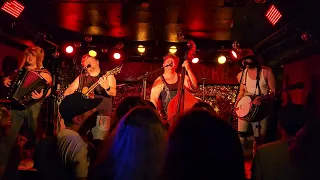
[250, 65]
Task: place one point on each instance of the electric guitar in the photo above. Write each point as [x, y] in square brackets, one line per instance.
[87, 92]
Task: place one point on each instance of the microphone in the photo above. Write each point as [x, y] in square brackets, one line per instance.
[88, 66]
[170, 64]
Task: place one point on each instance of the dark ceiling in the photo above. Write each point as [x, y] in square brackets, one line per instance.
[211, 23]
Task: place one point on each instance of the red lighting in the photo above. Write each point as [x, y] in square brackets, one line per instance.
[116, 55]
[195, 60]
[69, 49]
[273, 15]
[14, 8]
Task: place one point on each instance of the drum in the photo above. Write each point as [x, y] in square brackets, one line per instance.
[246, 110]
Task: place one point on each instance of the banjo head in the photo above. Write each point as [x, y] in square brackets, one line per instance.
[244, 106]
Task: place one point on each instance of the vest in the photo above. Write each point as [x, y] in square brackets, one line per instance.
[168, 92]
[250, 85]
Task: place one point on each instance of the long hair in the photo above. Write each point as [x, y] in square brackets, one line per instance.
[201, 146]
[139, 146]
[124, 107]
[36, 51]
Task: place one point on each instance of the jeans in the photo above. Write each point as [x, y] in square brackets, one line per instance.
[18, 117]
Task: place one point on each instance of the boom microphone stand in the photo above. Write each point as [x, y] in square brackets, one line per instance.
[145, 77]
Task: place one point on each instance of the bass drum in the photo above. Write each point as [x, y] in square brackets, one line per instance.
[246, 110]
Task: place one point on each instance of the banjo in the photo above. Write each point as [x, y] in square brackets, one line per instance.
[247, 111]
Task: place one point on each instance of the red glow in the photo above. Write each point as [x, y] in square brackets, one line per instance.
[69, 49]
[195, 60]
[116, 55]
[273, 15]
[14, 8]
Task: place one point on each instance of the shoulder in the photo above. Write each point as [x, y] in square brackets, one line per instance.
[273, 146]
[266, 69]
[158, 82]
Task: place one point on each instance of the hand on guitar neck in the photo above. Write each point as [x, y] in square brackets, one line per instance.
[267, 98]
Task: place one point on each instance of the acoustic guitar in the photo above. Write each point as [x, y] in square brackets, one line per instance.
[88, 92]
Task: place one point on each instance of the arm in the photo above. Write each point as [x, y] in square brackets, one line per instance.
[113, 85]
[191, 78]
[48, 78]
[155, 91]
[109, 84]
[241, 90]
[72, 88]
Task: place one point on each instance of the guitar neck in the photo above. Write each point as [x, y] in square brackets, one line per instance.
[92, 87]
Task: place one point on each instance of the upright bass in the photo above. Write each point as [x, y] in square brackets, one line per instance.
[183, 100]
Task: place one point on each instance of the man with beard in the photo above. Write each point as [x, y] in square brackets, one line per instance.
[257, 82]
[32, 61]
[105, 90]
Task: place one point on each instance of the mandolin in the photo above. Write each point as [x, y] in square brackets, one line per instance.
[87, 92]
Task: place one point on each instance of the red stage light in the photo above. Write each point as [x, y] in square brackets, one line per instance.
[69, 49]
[14, 8]
[116, 55]
[273, 15]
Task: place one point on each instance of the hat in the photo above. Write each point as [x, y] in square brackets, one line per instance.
[75, 104]
[245, 53]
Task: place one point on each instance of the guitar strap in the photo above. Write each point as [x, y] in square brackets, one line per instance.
[258, 80]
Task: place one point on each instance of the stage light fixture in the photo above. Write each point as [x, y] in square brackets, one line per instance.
[69, 49]
[273, 15]
[141, 49]
[173, 49]
[195, 60]
[13, 8]
[222, 59]
[92, 53]
[116, 55]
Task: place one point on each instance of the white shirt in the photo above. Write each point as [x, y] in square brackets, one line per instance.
[250, 85]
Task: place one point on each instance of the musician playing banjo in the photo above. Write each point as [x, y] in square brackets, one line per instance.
[33, 61]
[106, 90]
[249, 86]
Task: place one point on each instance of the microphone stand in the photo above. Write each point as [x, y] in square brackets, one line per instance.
[203, 83]
[145, 77]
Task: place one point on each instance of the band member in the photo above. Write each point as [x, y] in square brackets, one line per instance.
[106, 90]
[32, 60]
[249, 86]
[165, 86]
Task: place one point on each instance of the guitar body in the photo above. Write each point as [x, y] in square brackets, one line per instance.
[87, 94]
[189, 100]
